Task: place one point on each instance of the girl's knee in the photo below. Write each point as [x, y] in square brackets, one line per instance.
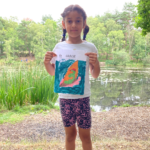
[85, 135]
[71, 137]
[86, 140]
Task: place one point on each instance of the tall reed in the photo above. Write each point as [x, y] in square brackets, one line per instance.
[26, 85]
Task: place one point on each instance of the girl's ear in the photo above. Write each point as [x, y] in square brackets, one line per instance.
[63, 24]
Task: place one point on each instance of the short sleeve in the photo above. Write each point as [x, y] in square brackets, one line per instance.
[94, 50]
[54, 58]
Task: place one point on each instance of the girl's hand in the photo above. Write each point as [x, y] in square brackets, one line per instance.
[48, 57]
[92, 58]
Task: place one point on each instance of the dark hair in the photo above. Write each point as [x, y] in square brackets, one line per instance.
[80, 10]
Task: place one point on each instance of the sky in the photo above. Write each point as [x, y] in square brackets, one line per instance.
[35, 9]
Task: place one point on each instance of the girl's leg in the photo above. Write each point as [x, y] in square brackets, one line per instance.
[69, 119]
[83, 113]
[85, 138]
[71, 133]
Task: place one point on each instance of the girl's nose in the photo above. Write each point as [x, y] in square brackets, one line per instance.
[73, 24]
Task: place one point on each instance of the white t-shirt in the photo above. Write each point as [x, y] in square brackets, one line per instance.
[84, 46]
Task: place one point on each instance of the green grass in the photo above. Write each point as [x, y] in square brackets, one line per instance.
[11, 117]
[26, 84]
[18, 113]
[128, 105]
[134, 64]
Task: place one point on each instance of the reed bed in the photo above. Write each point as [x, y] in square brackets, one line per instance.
[26, 84]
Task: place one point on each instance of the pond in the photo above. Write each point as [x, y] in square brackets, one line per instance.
[117, 86]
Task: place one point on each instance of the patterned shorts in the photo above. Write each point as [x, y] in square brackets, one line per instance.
[76, 109]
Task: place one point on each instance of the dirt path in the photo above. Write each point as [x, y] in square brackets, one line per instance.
[131, 123]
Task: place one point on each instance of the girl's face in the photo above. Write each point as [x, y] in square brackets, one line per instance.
[74, 24]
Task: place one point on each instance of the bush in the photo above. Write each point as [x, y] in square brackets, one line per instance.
[121, 57]
[109, 62]
[146, 61]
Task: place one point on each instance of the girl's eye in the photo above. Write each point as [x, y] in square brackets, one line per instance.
[78, 20]
[69, 21]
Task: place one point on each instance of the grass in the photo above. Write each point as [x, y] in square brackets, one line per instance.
[19, 113]
[128, 105]
[26, 84]
[134, 64]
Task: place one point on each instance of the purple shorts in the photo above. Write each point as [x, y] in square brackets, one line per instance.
[76, 109]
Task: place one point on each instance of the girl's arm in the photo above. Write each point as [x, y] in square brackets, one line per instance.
[95, 70]
[94, 64]
[49, 67]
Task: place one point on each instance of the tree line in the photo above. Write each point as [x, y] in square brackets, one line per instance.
[113, 33]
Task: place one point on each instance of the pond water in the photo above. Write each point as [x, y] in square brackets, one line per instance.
[117, 86]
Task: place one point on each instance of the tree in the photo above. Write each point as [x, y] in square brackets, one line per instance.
[2, 40]
[147, 44]
[126, 20]
[121, 57]
[111, 25]
[44, 18]
[7, 48]
[96, 34]
[1, 23]
[138, 51]
[12, 35]
[116, 40]
[111, 28]
[2, 34]
[50, 34]
[38, 42]
[143, 18]
[24, 34]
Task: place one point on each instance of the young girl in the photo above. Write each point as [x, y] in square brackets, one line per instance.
[75, 107]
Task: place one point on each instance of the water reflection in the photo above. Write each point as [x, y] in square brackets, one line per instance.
[118, 86]
[114, 86]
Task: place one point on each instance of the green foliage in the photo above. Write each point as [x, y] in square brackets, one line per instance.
[109, 32]
[120, 57]
[30, 108]
[11, 117]
[146, 61]
[97, 33]
[127, 17]
[143, 18]
[18, 113]
[116, 39]
[50, 34]
[7, 48]
[111, 25]
[26, 86]
[123, 105]
[109, 62]
[139, 49]
[45, 17]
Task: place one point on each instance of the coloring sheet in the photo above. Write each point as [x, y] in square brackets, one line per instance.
[70, 70]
